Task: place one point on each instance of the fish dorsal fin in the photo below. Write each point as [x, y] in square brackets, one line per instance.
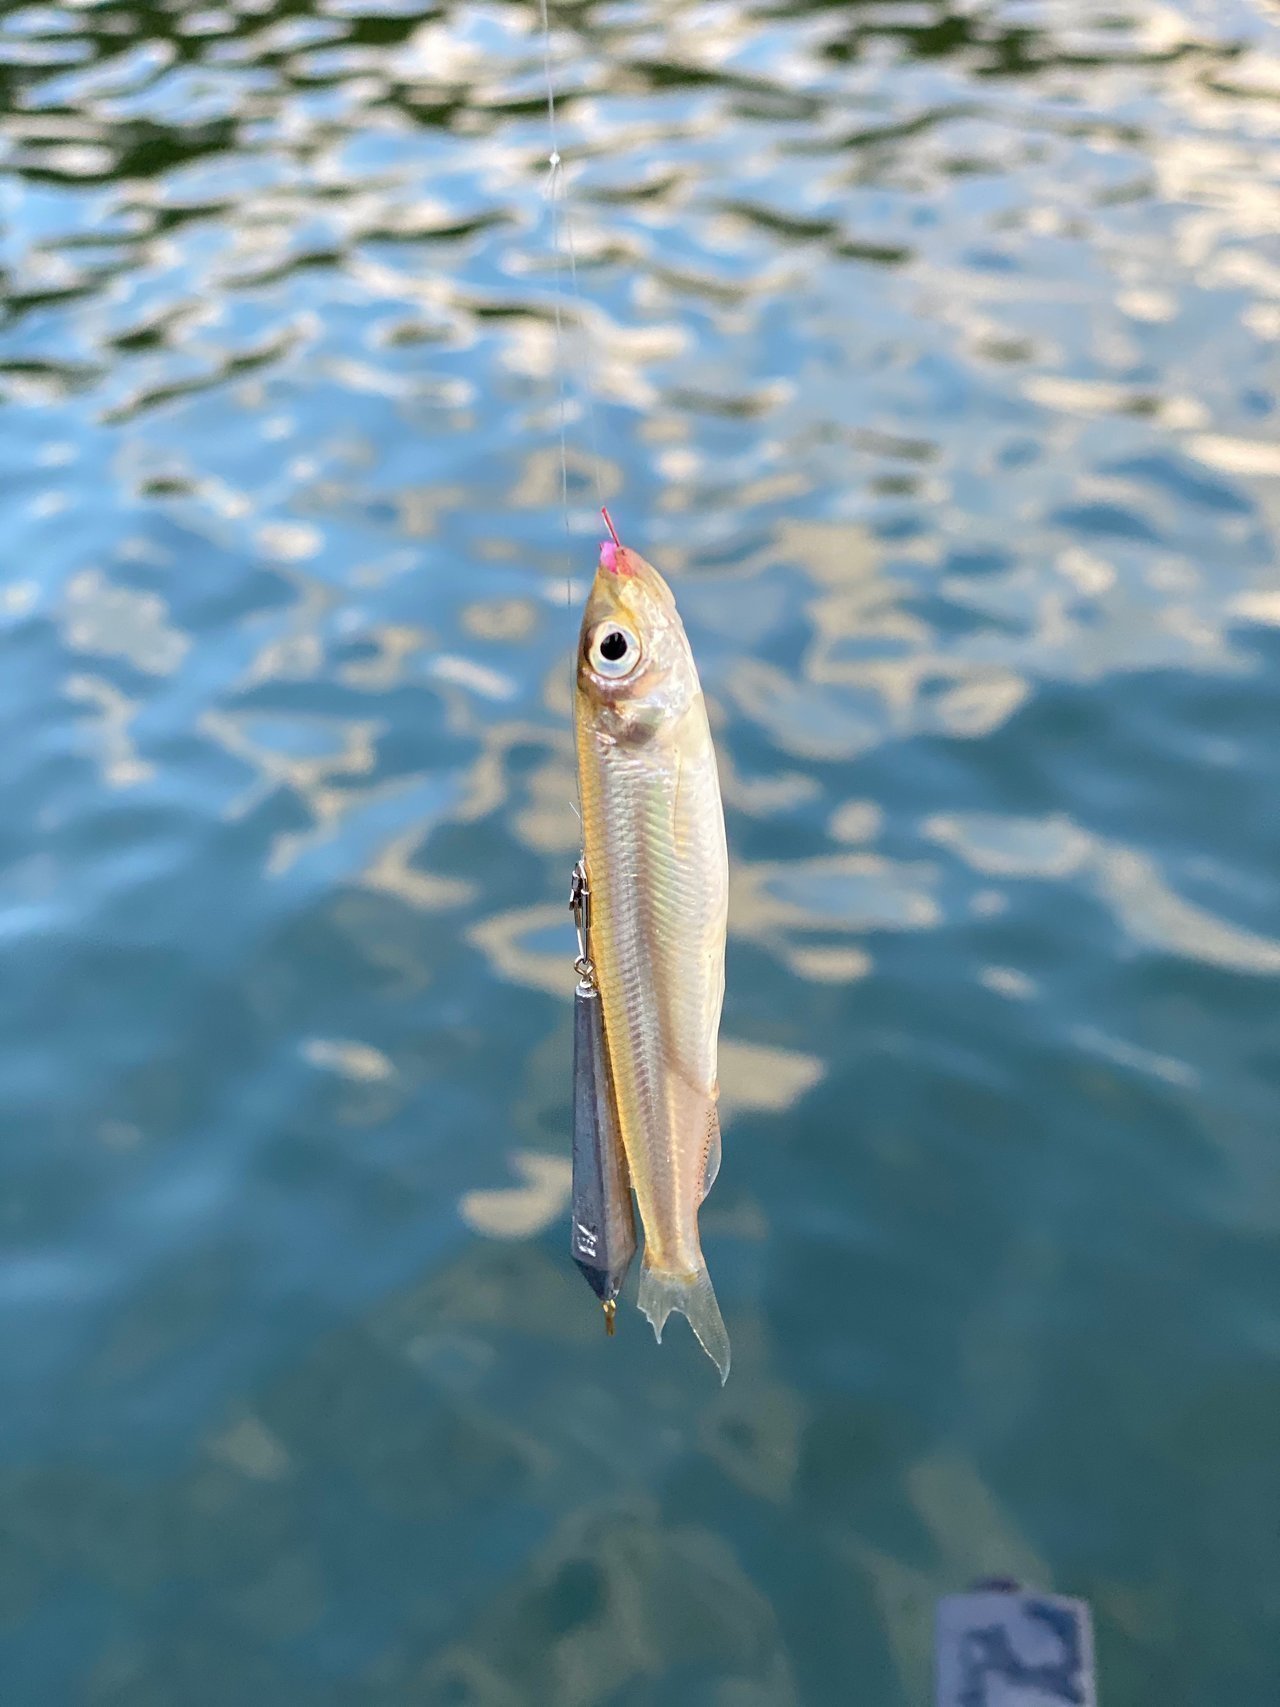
[712, 1165]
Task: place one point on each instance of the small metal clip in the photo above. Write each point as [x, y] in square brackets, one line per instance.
[580, 907]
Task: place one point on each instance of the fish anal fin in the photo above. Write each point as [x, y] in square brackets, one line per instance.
[711, 1167]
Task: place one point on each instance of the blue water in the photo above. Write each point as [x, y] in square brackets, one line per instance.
[933, 355]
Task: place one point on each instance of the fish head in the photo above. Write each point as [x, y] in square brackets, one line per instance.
[636, 676]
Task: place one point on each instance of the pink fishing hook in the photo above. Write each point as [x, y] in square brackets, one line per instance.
[610, 547]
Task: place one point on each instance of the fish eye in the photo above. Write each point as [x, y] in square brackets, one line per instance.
[614, 651]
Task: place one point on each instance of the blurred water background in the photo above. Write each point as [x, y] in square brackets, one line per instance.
[933, 346]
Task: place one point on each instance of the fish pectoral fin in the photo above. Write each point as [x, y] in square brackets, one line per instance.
[711, 1167]
[694, 1297]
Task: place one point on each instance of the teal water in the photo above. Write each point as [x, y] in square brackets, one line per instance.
[933, 348]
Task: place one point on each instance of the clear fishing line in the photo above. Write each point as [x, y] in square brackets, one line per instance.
[563, 247]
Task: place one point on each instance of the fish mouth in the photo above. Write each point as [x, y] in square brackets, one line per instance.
[618, 559]
[623, 578]
[618, 588]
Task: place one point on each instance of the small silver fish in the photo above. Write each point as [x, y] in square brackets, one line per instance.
[657, 866]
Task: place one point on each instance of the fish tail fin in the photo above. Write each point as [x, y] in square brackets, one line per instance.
[694, 1297]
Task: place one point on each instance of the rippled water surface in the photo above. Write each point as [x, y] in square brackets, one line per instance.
[933, 356]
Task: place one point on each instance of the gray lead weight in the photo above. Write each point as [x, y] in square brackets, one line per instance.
[603, 1236]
